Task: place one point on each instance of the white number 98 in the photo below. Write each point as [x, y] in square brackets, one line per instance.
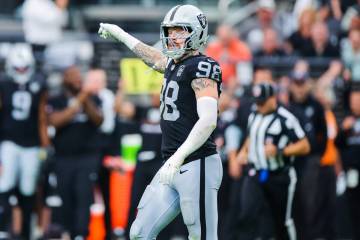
[205, 71]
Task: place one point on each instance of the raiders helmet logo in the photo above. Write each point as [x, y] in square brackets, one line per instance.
[202, 20]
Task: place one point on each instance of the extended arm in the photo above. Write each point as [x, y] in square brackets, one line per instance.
[207, 108]
[150, 55]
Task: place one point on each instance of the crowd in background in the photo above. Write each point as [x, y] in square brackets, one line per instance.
[93, 131]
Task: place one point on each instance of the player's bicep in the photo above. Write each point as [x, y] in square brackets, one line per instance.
[205, 87]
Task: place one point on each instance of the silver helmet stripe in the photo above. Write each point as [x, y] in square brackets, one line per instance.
[173, 12]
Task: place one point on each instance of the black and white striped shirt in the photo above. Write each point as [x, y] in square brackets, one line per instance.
[279, 128]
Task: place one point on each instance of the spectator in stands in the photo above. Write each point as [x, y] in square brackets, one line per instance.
[336, 11]
[348, 141]
[350, 54]
[329, 9]
[266, 17]
[271, 46]
[43, 21]
[76, 115]
[352, 14]
[229, 51]
[320, 45]
[283, 90]
[302, 37]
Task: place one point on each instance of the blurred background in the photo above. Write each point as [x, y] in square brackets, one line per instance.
[99, 106]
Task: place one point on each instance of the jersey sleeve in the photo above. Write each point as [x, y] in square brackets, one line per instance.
[204, 67]
[293, 129]
[249, 122]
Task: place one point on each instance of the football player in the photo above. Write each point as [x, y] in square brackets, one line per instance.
[23, 130]
[191, 175]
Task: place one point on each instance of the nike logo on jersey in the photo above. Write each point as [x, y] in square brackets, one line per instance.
[181, 172]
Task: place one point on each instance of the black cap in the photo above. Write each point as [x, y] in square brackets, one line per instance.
[262, 92]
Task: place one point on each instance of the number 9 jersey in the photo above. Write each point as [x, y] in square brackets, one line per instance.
[178, 103]
[20, 110]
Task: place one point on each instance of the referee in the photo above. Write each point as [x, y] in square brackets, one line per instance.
[274, 138]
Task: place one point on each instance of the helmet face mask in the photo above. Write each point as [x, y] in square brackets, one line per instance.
[193, 23]
[170, 47]
[20, 63]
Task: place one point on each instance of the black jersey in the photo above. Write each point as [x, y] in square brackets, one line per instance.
[78, 136]
[178, 103]
[20, 110]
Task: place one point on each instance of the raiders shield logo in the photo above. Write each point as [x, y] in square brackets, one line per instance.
[180, 71]
[202, 20]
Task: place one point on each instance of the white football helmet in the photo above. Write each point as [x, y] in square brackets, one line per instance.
[20, 63]
[191, 19]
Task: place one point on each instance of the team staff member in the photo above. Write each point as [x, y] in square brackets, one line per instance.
[274, 138]
[311, 115]
[76, 115]
[325, 210]
[348, 142]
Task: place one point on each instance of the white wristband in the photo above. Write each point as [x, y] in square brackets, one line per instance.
[128, 40]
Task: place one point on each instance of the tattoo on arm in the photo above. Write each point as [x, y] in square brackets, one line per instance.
[202, 83]
[151, 56]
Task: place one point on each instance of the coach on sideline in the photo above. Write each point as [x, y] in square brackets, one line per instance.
[274, 138]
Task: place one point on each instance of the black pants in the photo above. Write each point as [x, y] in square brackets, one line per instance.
[323, 226]
[248, 217]
[278, 191]
[76, 178]
[305, 207]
